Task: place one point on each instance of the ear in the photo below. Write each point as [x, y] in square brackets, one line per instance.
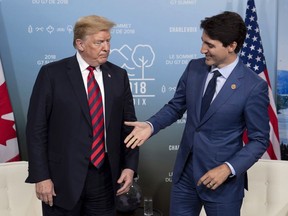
[80, 45]
[232, 46]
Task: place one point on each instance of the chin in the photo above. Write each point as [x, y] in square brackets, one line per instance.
[208, 62]
[103, 61]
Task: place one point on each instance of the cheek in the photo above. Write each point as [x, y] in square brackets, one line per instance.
[95, 52]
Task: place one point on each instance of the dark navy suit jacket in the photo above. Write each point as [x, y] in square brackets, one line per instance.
[59, 131]
[217, 138]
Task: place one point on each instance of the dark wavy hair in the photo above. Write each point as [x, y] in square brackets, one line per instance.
[227, 27]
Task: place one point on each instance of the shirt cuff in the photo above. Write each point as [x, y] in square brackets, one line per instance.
[233, 173]
[151, 125]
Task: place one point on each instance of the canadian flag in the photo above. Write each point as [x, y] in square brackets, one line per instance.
[9, 150]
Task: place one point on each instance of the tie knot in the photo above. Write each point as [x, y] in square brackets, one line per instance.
[91, 68]
[216, 74]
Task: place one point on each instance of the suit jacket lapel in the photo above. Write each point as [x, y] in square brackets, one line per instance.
[107, 77]
[229, 88]
[75, 77]
[201, 79]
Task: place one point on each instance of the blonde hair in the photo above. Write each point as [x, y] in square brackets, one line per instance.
[88, 25]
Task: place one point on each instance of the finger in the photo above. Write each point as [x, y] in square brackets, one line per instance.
[129, 123]
[141, 142]
[50, 202]
[38, 196]
[51, 199]
[133, 146]
[133, 142]
[202, 181]
[214, 186]
[128, 138]
[129, 144]
[136, 144]
[45, 199]
[209, 185]
[41, 197]
[120, 180]
[121, 190]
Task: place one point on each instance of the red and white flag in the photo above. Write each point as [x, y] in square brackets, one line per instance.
[9, 150]
[252, 54]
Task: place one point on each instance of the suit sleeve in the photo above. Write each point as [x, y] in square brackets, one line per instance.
[37, 128]
[257, 124]
[174, 109]
[131, 156]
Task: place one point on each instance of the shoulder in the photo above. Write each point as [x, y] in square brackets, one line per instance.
[60, 65]
[250, 79]
[113, 69]
[110, 66]
[250, 75]
[64, 61]
[197, 62]
[197, 65]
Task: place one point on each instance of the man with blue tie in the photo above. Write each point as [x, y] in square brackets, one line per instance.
[223, 98]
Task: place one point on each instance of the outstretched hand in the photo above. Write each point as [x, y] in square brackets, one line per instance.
[141, 132]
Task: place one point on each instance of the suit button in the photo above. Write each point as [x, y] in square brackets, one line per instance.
[90, 136]
[197, 129]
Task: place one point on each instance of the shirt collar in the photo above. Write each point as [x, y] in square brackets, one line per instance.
[227, 70]
[83, 64]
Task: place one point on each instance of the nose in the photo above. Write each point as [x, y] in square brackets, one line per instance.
[203, 49]
[106, 45]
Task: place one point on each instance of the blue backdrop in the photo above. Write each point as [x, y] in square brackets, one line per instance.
[153, 40]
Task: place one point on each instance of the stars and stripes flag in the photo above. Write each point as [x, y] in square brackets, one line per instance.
[252, 54]
[9, 150]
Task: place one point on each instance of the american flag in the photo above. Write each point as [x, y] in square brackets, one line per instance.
[252, 54]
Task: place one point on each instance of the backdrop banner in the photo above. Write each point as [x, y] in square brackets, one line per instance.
[153, 41]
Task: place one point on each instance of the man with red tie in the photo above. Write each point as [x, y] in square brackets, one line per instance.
[75, 128]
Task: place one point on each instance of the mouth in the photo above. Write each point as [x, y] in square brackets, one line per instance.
[209, 60]
[103, 56]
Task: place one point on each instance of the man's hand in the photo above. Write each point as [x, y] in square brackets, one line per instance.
[215, 177]
[45, 191]
[141, 132]
[126, 180]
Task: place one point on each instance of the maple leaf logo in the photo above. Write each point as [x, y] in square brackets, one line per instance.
[7, 124]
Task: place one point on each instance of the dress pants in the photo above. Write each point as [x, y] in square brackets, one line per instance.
[97, 198]
[185, 200]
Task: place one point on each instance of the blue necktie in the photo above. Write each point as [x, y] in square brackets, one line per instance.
[209, 93]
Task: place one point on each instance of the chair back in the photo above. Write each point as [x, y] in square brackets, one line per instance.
[17, 198]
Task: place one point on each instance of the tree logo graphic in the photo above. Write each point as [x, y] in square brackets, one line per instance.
[142, 56]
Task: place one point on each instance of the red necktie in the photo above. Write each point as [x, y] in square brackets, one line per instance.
[96, 112]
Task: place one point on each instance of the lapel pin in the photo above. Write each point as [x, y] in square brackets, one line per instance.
[233, 86]
[109, 75]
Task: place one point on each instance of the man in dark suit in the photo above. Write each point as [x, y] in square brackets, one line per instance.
[61, 128]
[211, 164]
